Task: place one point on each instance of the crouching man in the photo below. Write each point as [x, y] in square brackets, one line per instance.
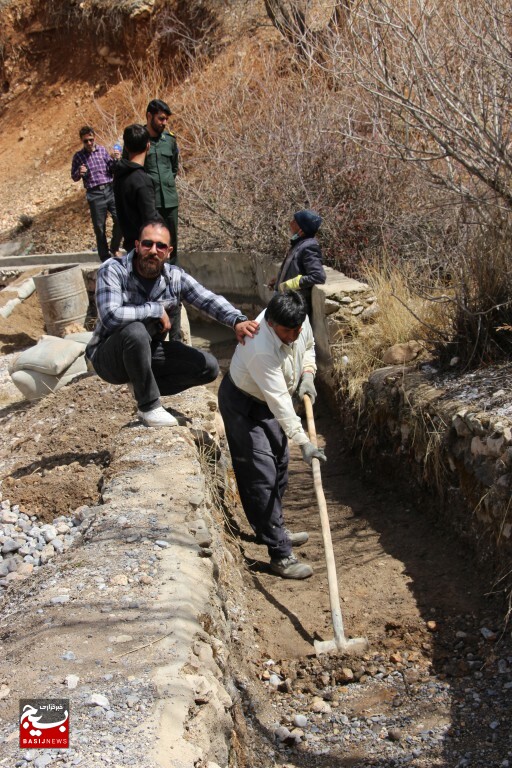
[255, 400]
[135, 296]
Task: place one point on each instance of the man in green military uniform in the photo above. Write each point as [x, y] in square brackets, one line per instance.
[162, 166]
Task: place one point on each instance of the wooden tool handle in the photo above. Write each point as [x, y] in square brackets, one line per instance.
[334, 598]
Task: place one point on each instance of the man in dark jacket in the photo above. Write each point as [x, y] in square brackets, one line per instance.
[302, 266]
[133, 189]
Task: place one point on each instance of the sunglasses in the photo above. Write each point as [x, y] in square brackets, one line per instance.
[150, 243]
[88, 141]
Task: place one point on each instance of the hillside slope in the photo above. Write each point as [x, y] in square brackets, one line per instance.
[65, 65]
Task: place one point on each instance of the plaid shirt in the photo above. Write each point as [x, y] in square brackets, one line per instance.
[99, 163]
[121, 298]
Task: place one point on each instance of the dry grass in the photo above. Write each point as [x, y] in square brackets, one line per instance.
[221, 488]
[483, 286]
[403, 316]
[261, 136]
[128, 100]
[148, 80]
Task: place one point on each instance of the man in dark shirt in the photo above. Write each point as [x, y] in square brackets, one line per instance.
[94, 166]
[133, 189]
[162, 166]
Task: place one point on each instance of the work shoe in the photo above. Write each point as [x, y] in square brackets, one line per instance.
[298, 538]
[158, 417]
[290, 568]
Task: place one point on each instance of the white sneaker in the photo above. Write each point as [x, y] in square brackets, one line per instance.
[158, 417]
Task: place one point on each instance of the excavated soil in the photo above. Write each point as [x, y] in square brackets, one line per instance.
[24, 329]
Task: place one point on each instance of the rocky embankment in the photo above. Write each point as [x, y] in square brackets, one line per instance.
[450, 433]
[454, 433]
[110, 607]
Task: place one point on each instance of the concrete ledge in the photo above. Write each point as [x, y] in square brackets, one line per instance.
[49, 259]
[32, 268]
[191, 705]
[234, 267]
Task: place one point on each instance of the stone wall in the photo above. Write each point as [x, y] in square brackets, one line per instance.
[458, 450]
[449, 435]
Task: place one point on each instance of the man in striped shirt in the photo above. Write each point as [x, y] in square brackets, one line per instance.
[136, 296]
[94, 166]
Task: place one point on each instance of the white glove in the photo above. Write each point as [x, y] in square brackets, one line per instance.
[307, 387]
[310, 452]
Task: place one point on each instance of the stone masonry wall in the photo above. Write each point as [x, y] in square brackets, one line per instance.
[450, 434]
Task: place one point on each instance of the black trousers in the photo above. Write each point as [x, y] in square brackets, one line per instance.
[101, 201]
[170, 216]
[259, 452]
[134, 354]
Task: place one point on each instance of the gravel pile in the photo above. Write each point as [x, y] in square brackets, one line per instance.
[104, 726]
[418, 716]
[26, 544]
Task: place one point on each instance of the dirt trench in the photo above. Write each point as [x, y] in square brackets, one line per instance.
[435, 631]
[398, 568]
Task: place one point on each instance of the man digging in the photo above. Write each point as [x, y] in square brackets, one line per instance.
[255, 400]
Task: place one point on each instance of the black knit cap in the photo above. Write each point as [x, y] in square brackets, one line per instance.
[308, 221]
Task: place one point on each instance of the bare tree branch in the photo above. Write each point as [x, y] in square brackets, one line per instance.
[440, 78]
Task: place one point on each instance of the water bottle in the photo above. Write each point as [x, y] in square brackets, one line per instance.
[118, 147]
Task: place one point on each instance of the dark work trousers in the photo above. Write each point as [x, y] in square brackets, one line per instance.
[153, 366]
[259, 452]
[101, 201]
[175, 318]
[170, 216]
